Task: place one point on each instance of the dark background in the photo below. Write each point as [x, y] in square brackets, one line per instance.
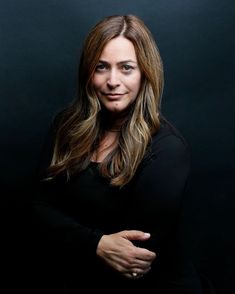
[39, 51]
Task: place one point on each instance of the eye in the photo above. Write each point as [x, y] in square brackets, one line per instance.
[127, 67]
[101, 67]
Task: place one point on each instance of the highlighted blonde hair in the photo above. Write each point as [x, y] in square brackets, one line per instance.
[81, 125]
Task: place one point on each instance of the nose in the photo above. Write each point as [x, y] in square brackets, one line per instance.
[113, 80]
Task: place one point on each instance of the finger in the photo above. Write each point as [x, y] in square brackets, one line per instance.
[142, 264]
[139, 273]
[133, 275]
[145, 254]
[136, 273]
[128, 275]
[145, 271]
[135, 235]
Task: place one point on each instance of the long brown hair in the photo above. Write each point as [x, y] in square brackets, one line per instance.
[81, 126]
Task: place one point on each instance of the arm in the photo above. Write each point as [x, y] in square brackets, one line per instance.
[157, 194]
[65, 234]
[159, 190]
[77, 241]
[53, 228]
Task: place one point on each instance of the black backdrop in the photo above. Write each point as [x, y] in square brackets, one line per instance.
[40, 45]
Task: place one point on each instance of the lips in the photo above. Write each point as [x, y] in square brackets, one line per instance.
[113, 95]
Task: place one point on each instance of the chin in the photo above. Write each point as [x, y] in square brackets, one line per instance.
[113, 110]
[116, 109]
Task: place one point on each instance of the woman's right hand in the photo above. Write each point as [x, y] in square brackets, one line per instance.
[121, 254]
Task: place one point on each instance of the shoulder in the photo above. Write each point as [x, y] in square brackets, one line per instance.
[168, 142]
[168, 136]
[167, 164]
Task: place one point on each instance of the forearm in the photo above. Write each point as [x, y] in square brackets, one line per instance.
[61, 231]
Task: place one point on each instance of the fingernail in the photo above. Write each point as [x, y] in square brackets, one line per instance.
[147, 234]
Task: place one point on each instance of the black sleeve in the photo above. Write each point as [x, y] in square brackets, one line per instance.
[168, 172]
[161, 184]
[160, 191]
[53, 227]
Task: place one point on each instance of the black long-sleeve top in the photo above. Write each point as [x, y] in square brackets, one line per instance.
[72, 215]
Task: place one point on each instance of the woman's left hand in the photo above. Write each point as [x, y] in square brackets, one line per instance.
[121, 254]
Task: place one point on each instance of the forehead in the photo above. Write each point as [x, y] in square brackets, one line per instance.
[119, 49]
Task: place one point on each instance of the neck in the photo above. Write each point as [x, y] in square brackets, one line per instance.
[112, 130]
[114, 121]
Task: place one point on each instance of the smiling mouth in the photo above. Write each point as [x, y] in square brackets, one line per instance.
[113, 95]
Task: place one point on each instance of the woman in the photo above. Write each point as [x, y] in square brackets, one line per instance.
[109, 202]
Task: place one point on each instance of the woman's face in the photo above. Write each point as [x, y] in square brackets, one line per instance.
[117, 77]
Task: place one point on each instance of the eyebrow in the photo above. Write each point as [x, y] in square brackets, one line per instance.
[120, 62]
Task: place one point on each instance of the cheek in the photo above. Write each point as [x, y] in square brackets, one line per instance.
[135, 84]
[96, 82]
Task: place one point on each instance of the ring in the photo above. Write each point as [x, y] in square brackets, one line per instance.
[134, 275]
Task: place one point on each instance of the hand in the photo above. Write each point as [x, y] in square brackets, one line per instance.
[121, 254]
